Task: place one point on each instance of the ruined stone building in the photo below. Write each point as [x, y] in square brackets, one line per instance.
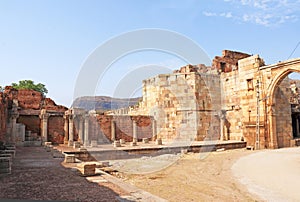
[237, 98]
[28, 118]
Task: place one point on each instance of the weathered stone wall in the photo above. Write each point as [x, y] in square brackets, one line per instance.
[32, 123]
[283, 113]
[184, 104]
[3, 117]
[124, 127]
[56, 129]
[228, 61]
[29, 105]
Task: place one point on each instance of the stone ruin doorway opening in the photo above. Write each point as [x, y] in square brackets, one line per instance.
[285, 109]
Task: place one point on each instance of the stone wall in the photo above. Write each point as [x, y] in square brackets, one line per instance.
[27, 106]
[123, 127]
[3, 116]
[184, 104]
[32, 123]
[56, 129]
[228, 61]
[283, 113]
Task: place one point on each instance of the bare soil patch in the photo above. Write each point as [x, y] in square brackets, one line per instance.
[193, 179]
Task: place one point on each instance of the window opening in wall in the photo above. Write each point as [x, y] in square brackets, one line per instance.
[250, 84]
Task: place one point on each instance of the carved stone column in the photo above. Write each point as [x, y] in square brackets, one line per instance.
[222, 117]
[80, 129]
[66, 128]
[86, 130]
[297, 126]
[154, 129]
[14, 114]
[134, 129]
[113, 130]
[44, 125]
[71, 131]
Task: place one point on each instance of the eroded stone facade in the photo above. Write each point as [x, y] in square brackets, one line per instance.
[28, 118]
[238, 98]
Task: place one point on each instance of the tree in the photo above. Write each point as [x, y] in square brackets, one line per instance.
[30, 85]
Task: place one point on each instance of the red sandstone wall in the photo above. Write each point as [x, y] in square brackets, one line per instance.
[56, 129]
[124, 126]
[3, 117]
[29, 100]
[32, 123]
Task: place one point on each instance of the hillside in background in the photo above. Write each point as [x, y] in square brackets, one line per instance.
[103, 103]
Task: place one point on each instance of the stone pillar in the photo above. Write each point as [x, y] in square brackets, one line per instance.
[297, 126]
[71, 131]
[14, 127]
[86, 130]
[14, 114]
[113, 130]
[222, 116]
[80, 130]
[154, 129]
[44, 125]
[134, 129]
[66, 128]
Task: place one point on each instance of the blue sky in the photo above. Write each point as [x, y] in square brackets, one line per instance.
[48, 40]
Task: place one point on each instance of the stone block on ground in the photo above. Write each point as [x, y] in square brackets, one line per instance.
[122, 141]
[87, 169]
[133, 144]
[49, 148]
[94, 143]
[5, 165]
[47, 143]
[145, 140]
[70, 158]
[70, 143]
[12, 152]
[76, 145]
[117, 143]
[158, 141]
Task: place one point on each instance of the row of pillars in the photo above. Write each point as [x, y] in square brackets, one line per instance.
[134, 130]
[83, 129]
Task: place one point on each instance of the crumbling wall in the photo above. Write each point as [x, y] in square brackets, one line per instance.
[228, 61]
[30, 103]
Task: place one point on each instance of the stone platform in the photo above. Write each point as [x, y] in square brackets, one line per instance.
[126, 151]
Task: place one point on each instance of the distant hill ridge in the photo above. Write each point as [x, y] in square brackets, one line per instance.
[104, 103]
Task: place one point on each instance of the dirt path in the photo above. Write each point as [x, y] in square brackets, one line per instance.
[193, 179]
[36, 175]
[274, 175]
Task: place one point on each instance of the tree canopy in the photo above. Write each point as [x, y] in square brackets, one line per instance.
[30, 85]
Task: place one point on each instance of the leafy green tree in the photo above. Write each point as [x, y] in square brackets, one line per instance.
[30, 85]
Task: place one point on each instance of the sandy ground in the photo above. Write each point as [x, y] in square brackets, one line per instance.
[190, 177]
[274, 175]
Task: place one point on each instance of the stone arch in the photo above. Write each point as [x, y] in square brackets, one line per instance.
[281, 73]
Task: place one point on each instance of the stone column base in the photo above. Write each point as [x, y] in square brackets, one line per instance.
[70, 143]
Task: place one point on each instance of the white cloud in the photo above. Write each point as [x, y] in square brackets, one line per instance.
[209, 14]
[262, 12]
[226, 15]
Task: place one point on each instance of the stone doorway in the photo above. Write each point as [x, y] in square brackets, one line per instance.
[285, 110]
